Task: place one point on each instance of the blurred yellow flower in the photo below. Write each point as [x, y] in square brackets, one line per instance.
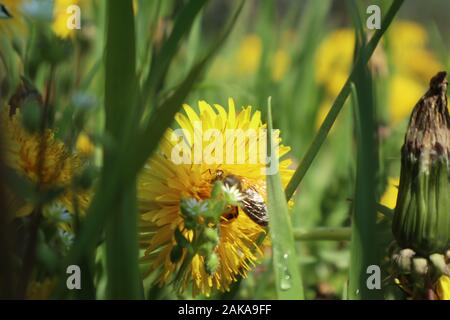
[334, 59]
[248, 55]
[414, 64]
[163, 184]
[84, 145]
[443, 288]
[389, 198]
[21, 152]
[410, 54]
[404, 92]
[61, 16]
[280, 64]
[41, 290]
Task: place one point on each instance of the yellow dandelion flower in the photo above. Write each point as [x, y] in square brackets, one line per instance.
[21, 153]
[84, 145]
[404, 92]
[334, 59]
[389, 198]
[443, 288]
[409, 50]
[163, 184]
[280, 64]
[248, 56]
[61, 16]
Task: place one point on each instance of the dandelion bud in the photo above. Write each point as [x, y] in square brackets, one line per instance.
[206, 249]
[217, 189]
[212, 262]
[422, 215]
[211, 235]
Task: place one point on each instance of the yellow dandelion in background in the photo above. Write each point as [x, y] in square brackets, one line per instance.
[414, 64]
[163, 184]
[389, 198]
[443, 288]
[248, 56]
[84, 145]
[280, 64]
[409, 51]
[404, 92]
[21, 152]
[61, 16]
[334, 60]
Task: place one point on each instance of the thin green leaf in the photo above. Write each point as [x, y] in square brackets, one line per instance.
[323, 234]
[288, 278]
[124, 279]
[161, 61]
[362, 59]
[363, 249]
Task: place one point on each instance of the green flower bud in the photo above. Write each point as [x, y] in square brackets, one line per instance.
[212, 262]
[216, 190]
[206, 249]
[422, 215]
[188, 207]
[211, 235]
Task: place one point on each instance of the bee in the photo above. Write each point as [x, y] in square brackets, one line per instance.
[252, 203]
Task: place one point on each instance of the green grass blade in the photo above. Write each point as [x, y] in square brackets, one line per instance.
[161, 61]
[363, 249]
[124, 281]
[322, 234]
[321, 135]
[302, 105]
[288, 278]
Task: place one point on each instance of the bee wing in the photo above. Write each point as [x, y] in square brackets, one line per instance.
[254, 206]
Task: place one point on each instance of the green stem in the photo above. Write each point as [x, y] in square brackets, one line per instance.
[321, 135]
[323, 234]
[124, 281]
